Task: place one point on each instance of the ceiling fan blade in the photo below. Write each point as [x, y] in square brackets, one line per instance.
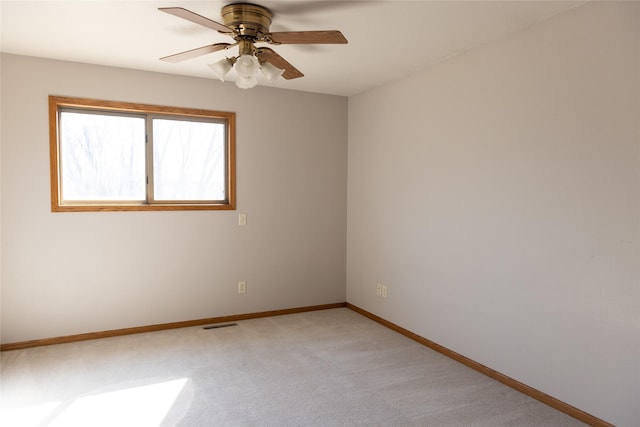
[270, 56]
[195, 52]
[183, 13]
[308, 37]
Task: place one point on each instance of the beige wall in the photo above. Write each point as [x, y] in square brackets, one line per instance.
[497, 195]
[68, 273]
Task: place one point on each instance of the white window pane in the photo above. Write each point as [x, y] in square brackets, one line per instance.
[102, 157]
[188, 160]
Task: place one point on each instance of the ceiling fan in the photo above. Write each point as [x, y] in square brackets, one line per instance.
[248, 24]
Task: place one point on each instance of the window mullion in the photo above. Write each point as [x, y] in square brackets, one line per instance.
[149, 158]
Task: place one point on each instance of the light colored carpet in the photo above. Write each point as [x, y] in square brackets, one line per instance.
[323, 368]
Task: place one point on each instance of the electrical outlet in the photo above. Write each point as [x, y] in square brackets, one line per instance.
[384, 291]
[242, 287]
[379, 289]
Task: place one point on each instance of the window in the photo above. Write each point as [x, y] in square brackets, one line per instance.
[114, 156]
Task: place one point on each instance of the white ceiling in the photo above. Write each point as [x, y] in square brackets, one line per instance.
[387, 39]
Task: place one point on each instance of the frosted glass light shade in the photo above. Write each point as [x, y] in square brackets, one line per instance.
[270, 71]
[245, 82]
[247, 65]
[221, 68]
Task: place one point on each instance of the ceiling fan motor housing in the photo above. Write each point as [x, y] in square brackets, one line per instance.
[247, 20]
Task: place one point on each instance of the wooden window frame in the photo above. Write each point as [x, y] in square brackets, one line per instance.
[58, 102]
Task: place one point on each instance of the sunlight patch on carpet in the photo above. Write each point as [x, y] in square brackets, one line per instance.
[137, 406]
[27, 416]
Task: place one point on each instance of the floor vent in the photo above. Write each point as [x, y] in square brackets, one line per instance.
[222, 325]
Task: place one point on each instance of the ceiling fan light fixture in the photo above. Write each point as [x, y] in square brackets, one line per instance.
[222, 67]
[270, 71]
[247, 66]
